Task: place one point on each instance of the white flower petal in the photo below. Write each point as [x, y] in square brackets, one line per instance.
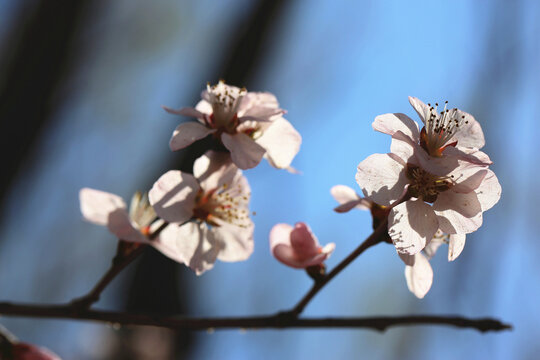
[470, 134]
[489, 191]
[344, 194]
[214, 169]
[467, 177]
[192, 244]
[381, 178]
[187, 111]
[419, 276]
[458, 213]
[173, 196]
[124, 228]
[245, 152]
[455, 246]
[187, 133]
[97, 205]
[281, 142]
[411, 225]
[236, 243]
[204, 106]
[431, 248]
[420, 107]
[391, 123]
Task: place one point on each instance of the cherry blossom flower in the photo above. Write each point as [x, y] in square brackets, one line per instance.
[106, 209]
[297, 246]
[249, 124]
[23, 351]
[451, 132]
[453, 202]
[208, 212]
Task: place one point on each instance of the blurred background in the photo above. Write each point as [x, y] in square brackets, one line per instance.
[81, 85]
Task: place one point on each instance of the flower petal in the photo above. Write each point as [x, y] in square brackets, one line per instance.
[187, 111]
[192, 244]
[470, 134]
[97, 205]
[381, 178]
[187, 133]
[24, 351]
[390, 123]
[489, 191]
[455, 246]
[411, 225]
[124, 228]
[236, 243]
[467, 177]
[419, 276]
[304, 243]
[344, 194]
[214, 169]
[245, 152]
[458, 213]
[420, 107]
[281, 142]
[173, 196]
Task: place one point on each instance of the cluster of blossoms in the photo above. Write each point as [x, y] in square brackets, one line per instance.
[434, 185]
[431, 188]
[197, 218]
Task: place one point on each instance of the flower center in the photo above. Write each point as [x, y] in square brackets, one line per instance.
[424, 185]
[225, 101]
[250, 128]
[440, 128]
[223, 204]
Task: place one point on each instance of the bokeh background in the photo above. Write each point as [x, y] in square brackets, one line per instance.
[81, 85]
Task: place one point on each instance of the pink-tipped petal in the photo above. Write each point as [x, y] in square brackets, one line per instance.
[458, 213]
[411, 225]
[419, 276]
[456, 244]
[187, 133]
[24, 351]
[391, 123]
[96, 205]
[381, 178]
[173, 196]
[245, 152]
[303, 242]
[281, 142]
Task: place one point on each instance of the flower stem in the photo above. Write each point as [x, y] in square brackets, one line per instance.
[376, 237]
[127, 252]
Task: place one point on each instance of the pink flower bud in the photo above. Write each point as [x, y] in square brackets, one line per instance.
[297, 247]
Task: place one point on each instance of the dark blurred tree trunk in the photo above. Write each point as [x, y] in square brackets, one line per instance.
[37, 58]
[155, 286]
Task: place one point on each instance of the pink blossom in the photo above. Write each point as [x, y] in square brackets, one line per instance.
[450, 133]
[208, 212]
[452, 202]
[23, 351]
[297, 247]
[249, 124]
[103, 208]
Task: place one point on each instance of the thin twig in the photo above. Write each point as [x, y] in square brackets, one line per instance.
[375, 238]
[125, 255]
[277, 321]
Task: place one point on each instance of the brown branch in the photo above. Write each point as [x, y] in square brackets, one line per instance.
[277, 321]
[376, 237]
[126, 253]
